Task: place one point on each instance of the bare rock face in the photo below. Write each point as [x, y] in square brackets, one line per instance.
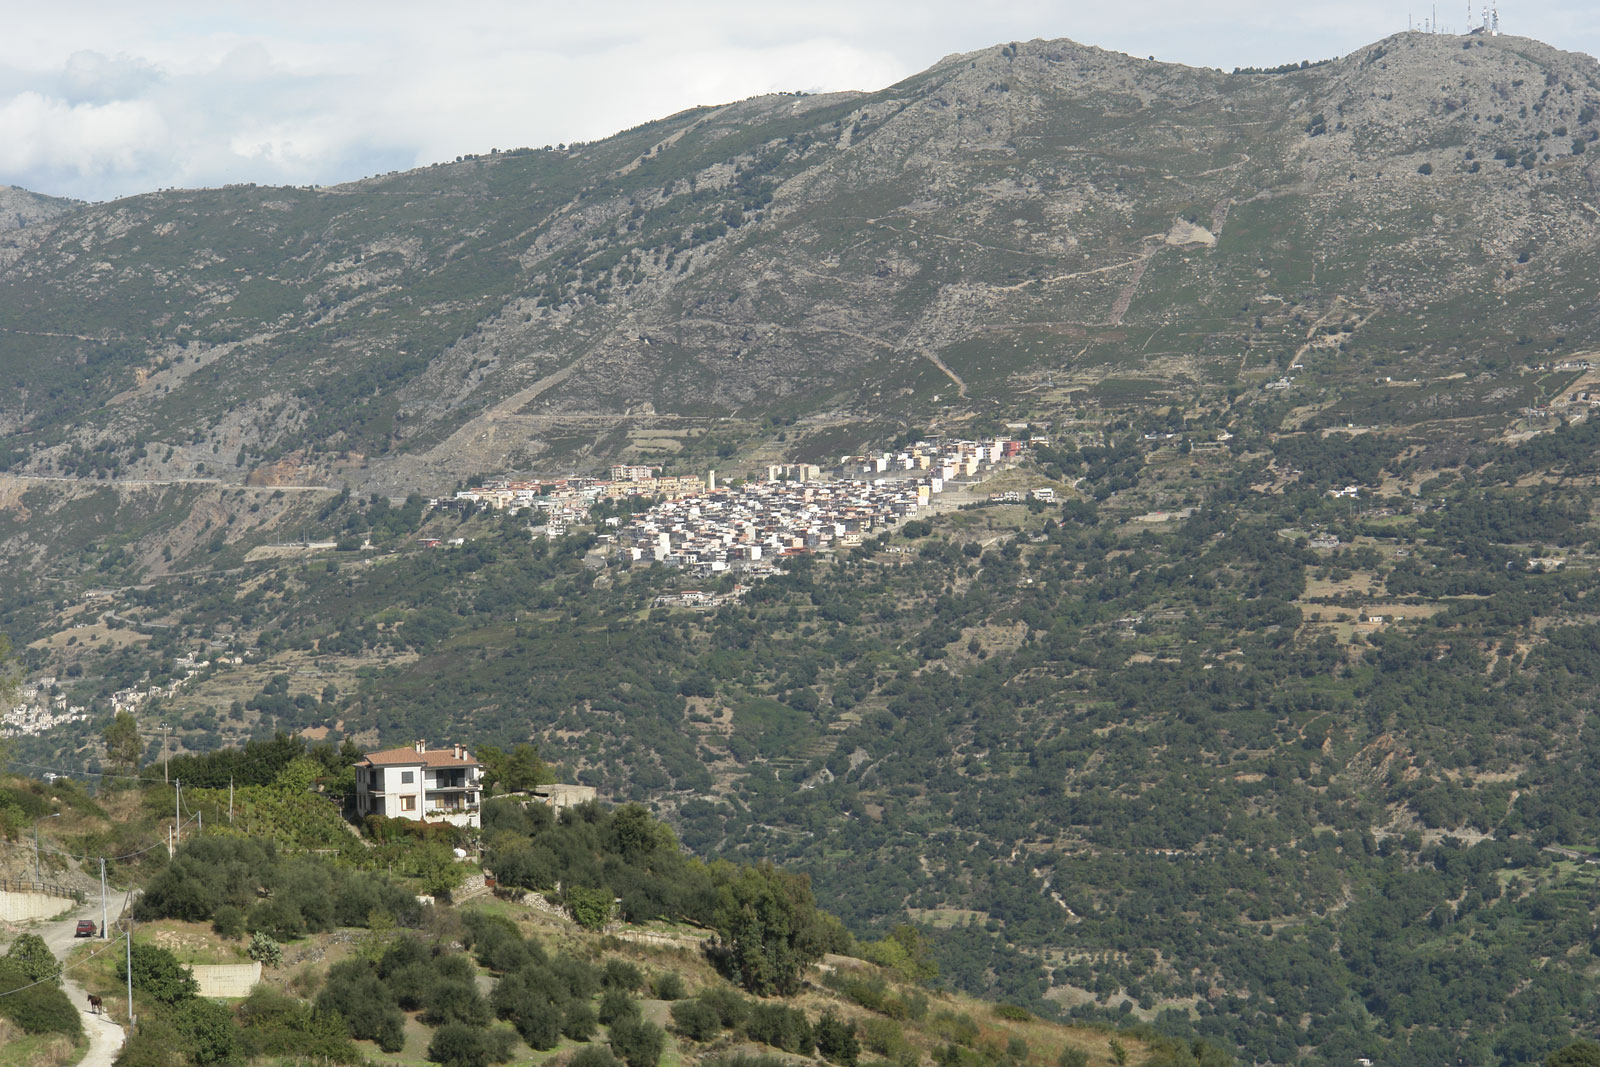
[1034, 213]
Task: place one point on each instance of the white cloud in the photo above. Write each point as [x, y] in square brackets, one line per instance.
[100, 99]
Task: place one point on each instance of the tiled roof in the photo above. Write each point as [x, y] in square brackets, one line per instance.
[409, 756]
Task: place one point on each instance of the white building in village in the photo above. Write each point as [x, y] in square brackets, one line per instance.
[423, 784]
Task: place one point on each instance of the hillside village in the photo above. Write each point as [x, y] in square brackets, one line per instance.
[796, 509]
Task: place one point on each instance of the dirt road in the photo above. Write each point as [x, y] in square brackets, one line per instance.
[105, 1036]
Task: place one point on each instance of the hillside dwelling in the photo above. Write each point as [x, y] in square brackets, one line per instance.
[420, 783]
[561, 795]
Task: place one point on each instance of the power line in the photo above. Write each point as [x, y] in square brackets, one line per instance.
[127, 898]
[252, 761]
[76, 773]
[93, 856]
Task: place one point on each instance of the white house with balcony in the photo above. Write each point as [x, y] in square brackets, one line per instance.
[421, 783]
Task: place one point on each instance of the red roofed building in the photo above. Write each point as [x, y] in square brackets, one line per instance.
[421, 783]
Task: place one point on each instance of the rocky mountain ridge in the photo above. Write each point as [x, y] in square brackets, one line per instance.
[1014, 227]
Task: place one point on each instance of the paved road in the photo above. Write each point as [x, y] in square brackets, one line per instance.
[105, 1036]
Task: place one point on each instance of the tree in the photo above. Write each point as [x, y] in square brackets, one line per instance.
[906, 952]
[158, 973]
[364, 1003]
[459, 1045]
[696, 1020]
[123, 747]
[1577, 1054]
[836, 1039]
[514, 771]
[769, 928]
[637, 1042]
[30, 955]
[590, 908]
[208, 1031]
[436, 866]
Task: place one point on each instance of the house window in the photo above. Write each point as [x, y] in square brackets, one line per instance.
[408, 803]
[407, 777]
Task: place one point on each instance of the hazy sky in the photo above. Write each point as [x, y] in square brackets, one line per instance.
[100, 100]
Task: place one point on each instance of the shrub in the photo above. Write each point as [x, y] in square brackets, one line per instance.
[781, 1027]
[744, 1059]
[37, 1009]
[637, 1042]
[884, 1037]
[669, 987]
[452, 1000]
[1013, 1012]
[868, 990]
[590, 908]
[458, 1045]
[402, 953]
[151, 1044]
[279, 918]
[731, 1008]
[275, 1024]
[30, 955]
[228, 921]
[620, 974]
[581, 978]
[696, 1020]
[501, 1044]
[594, 1056]
[580, 1022]
[836, 1040]
[539, 1020]
[208, 1032]
[1073, 1057]
[265, 951]
[367, 1007]
[616, 1005]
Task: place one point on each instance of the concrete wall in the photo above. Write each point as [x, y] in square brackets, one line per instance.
[20, 907]
[227, 980]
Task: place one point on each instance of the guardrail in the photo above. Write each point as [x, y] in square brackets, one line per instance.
[51, 889]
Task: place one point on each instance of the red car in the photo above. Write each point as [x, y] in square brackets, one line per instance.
[86, 928]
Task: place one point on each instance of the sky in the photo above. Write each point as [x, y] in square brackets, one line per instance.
[101, 100]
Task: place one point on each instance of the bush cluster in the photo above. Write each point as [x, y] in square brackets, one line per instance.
[221, 880]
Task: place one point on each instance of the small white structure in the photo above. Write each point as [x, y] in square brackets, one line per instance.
[422, 784]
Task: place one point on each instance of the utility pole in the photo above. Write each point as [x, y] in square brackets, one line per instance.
[230, 800]
[177, 814]
[164, 777]
[103, 933]
[131, 1017]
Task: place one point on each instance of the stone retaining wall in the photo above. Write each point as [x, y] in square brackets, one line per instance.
[21, 907]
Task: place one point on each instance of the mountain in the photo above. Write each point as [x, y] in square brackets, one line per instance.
[1273, 728]
[1040, 223]
[19, 208]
